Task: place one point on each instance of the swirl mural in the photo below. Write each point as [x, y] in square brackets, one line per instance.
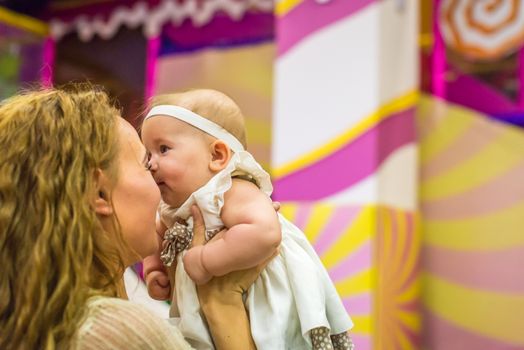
[482, 29]
[371, 253]
[397, 256]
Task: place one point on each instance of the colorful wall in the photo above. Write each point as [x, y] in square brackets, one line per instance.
[471, 162]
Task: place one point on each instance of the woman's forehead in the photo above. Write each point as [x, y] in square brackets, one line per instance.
[129, 138]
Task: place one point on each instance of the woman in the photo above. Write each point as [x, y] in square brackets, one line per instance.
[77, 206]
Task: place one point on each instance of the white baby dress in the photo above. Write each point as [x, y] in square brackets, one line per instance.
[293, 294]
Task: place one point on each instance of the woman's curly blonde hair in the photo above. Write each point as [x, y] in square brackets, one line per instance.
[54, 253]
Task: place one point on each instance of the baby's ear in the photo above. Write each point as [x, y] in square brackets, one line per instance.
[220, 155]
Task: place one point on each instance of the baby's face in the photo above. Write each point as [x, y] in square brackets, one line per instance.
[179, 157]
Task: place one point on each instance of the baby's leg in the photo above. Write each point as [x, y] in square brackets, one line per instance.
[322, 340]
[342, 341]
[222, 302]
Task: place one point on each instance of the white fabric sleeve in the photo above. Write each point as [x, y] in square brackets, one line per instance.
[114, 323]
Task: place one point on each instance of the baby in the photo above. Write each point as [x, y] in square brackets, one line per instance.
[197, 155]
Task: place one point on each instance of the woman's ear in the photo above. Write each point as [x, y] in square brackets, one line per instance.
[220, 155]
[101, 202]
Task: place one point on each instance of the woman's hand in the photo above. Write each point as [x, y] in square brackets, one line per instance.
[199, 227]
[193, 257]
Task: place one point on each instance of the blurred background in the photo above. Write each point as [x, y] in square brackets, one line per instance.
[392, 130]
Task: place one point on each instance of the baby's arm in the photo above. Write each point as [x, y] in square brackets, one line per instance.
[253, 236]
[155, 273]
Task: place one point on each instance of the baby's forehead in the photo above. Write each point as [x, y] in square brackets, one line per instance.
[167, 122]
[164, 126]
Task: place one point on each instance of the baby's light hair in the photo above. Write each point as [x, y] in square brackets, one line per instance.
[210, 104]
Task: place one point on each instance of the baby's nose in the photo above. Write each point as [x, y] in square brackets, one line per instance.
[152, 164]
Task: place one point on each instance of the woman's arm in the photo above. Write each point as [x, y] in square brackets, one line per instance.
[253, 236]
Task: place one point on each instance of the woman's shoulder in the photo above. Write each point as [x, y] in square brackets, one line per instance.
[98, 303]
[104, 306]
[113, 323]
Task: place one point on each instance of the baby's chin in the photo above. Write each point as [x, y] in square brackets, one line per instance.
[173, 202]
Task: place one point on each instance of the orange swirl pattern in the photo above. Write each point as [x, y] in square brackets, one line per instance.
[372, 255]
[482, 29]
[397, 256]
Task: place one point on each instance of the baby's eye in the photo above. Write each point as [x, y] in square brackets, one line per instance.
[164, 149]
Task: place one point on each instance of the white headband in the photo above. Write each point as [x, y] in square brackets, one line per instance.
[197, 121]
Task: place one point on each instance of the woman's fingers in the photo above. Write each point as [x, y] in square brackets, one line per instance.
[219, 235]
[199, 227]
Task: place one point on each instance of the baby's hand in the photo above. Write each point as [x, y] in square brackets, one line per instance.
[158, 285]
[194, 267]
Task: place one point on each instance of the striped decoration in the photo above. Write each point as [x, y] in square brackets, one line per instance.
[472, 197]
[355, 146]
[369, 148]
[299, 19]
